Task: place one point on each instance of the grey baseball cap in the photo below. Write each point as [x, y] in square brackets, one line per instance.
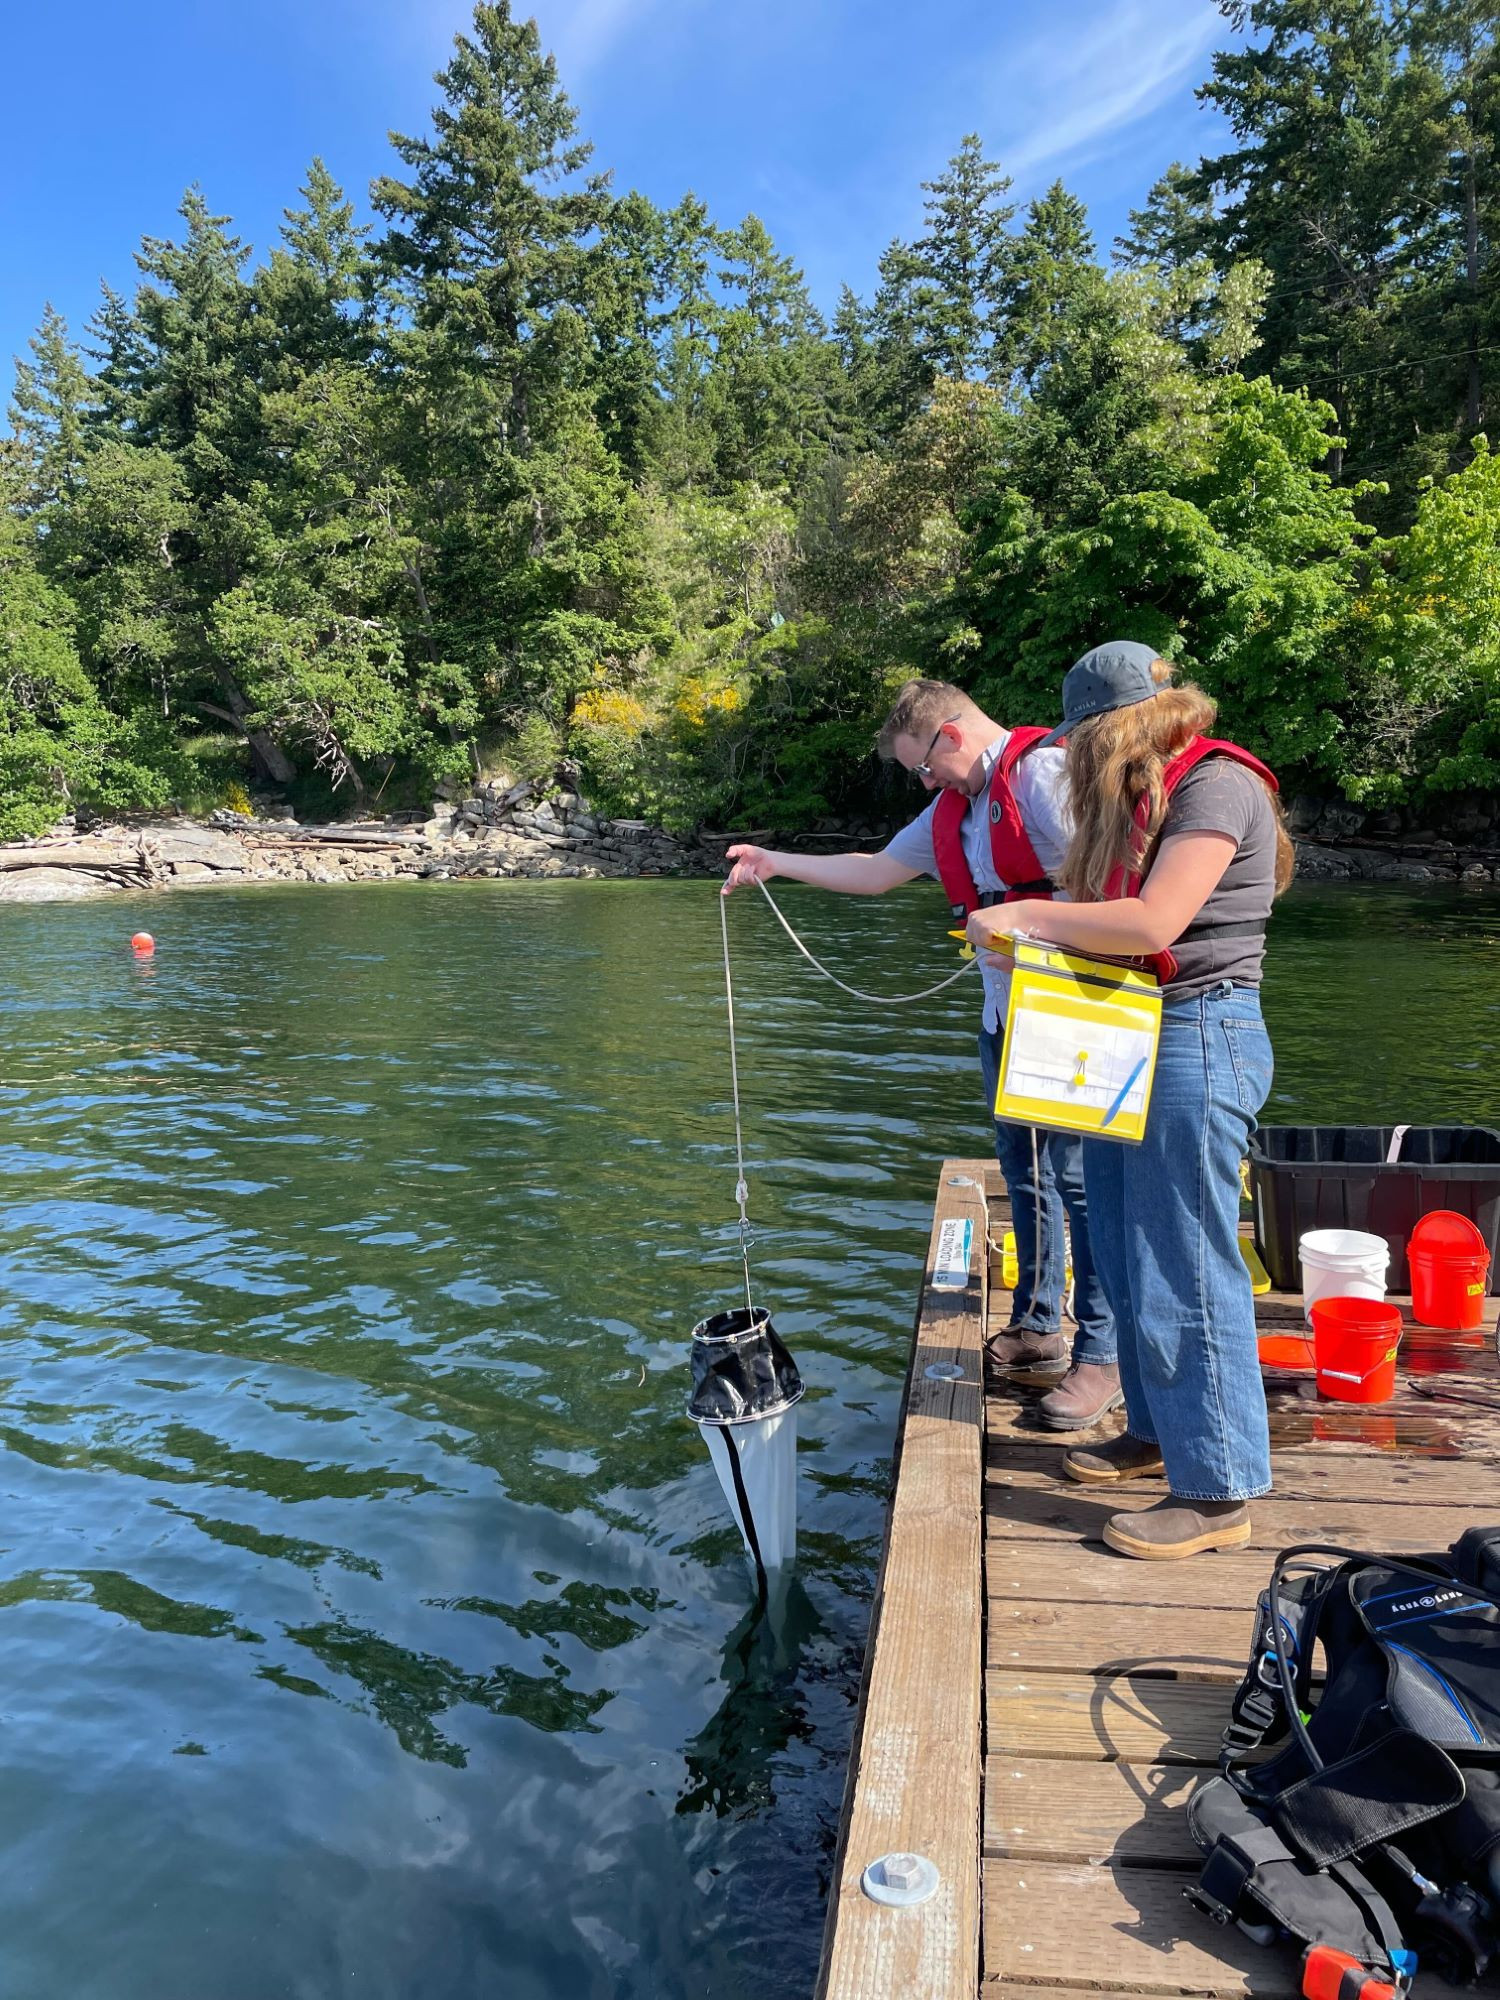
[1114, 675]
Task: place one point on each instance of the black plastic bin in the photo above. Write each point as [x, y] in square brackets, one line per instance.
[1340, 1177]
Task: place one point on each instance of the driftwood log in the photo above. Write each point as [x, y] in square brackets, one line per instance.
[333, 837]
[136, 863]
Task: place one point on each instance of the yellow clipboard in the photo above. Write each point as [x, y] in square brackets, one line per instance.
[1081, 1037]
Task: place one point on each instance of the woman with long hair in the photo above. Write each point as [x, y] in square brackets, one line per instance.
[1177, 852]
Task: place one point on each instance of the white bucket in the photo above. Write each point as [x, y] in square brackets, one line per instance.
[1341, 1264]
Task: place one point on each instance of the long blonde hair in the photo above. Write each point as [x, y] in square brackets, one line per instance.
[1114, 761]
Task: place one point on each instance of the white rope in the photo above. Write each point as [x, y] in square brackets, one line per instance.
[741, 1185]
[875, 999]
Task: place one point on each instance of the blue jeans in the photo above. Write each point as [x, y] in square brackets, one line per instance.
[1165, 1219]
[1036, 1212]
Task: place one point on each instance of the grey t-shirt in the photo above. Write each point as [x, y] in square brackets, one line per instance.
[1220, 796]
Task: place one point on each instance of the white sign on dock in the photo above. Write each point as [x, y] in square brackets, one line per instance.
[955, 1240]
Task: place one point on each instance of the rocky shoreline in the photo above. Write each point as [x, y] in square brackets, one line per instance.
[1340, 843]
[535, 832]
[499, 831]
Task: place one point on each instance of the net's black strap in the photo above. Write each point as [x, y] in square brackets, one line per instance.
[742, 1498]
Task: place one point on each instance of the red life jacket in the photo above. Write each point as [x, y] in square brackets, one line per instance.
[1011, 850]
[1123, 883]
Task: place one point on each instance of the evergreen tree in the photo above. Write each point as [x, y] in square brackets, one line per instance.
[311, 302]
[628, 322]
[692, 315]
[527, 513]
[188, 382]
[327, 626]
[766, 389]
[1332, 188]
[901, 369]
[1459, 43]
[1097, 420]
[1174, 226]
[1172, 236]
[1051, 270]
[962, 262]
[49, 415]
[488, 236]
[180, 401]
[854, 345]
[114, 548]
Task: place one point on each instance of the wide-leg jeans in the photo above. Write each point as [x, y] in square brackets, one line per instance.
[1164, 1217]
[1042, 1190]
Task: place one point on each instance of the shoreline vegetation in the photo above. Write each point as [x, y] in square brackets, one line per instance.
[515, 468]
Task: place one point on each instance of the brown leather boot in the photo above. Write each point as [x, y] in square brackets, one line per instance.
[1173, 1529]
[1089, 1391]
[1027, 1354]
[1118, 1458]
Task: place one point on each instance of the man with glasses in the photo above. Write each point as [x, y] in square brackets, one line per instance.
[998, 825]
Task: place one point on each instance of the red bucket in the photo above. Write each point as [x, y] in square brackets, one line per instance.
[1450, 1268]
[1354, 1349]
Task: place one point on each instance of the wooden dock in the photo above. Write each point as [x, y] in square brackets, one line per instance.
[1036, 1710]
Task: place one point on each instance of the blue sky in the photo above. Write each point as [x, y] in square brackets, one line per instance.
[821, 116]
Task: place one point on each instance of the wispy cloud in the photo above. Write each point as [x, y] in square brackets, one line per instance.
[581, 33]
[1083, 89]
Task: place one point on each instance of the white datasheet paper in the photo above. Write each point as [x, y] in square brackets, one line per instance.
[1064, 1062]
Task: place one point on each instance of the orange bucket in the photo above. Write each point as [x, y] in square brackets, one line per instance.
[1450, 1268]
[1354, 1349]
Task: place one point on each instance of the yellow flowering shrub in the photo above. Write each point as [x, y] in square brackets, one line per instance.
[696, 701]
[608, 708]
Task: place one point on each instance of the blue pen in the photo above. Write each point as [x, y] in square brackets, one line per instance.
[1125, 1092]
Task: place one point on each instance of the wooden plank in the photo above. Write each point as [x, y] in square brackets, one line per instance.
[1009, 1989]
[1063, 1513]
[1446, 1415]
[1009, 1417]
[1121, 1929]
[914, 1771]
[1040, 1809]
[1130, 1719]
[1111, 1638]
[1300, 1475]
[1219, 1582]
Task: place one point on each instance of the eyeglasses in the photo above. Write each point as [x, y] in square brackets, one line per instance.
[924, 769]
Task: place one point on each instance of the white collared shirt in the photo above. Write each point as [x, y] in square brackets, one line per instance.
[1040, 786]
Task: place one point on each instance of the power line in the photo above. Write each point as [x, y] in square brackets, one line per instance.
[1457, 354]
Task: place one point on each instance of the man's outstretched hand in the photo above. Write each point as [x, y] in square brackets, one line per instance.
[750, 864]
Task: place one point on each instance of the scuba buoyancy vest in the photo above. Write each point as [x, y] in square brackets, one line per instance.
[1372, 1836]
[1011, 850]
[1127, 882]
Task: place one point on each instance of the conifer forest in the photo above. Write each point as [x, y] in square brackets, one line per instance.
[529, 472]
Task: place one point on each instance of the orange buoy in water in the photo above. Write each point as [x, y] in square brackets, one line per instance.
[143, 944]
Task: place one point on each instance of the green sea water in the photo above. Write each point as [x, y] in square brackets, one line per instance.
[370, 1618]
